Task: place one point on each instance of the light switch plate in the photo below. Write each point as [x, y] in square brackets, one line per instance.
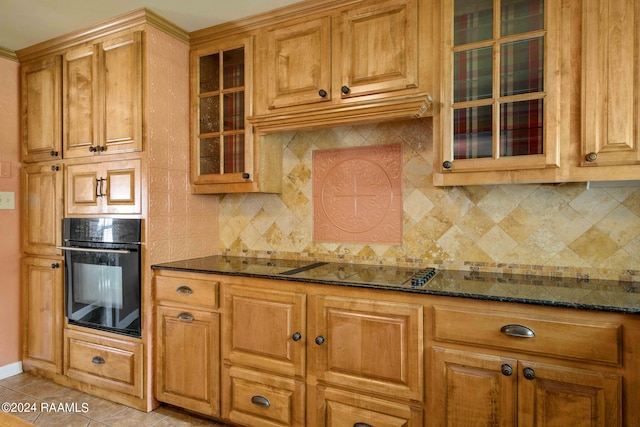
[7, 200]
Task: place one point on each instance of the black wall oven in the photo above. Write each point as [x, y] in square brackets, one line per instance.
[102, 273]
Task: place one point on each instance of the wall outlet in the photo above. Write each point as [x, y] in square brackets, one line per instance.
[7, 200]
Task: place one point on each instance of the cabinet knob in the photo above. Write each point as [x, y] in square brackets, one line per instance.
[55, 265]
[55, 168]
[529, 373]
[297, 336]
[93, 149]
[54, 153]
[319, 340]
[101, 148]
[98, 360]
[591, 157]
[184, 290]
[345, 90]
[447, 164]
[519, 331]
[245, 175]
[260, 401]
[506, 370]
[322, 93]
[186, 316]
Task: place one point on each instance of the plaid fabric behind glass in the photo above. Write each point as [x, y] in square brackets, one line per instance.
[234, 153]
[521, 130]
[472, 132]
[522, 67]
[521, 16]
[472, 70]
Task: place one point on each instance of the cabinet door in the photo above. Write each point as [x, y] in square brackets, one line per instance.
[265, 329]
[222, 150]
[299, 63]
[559, 396]
[42, 209]
[42, 313]
[42, 110]
[468, 388]
[336, 408]
[611, 81]
[81, 103]
[378, 50]
[369, 345]
[188, 359]
[108, 187]
[500, 87]
[103, 97]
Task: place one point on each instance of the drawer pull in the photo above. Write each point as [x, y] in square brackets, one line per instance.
[319, 340]
[260, 401]
[520, 331]
[361, 425]
[184, 290]
[185, 316]
[98, 360]
[297, 336]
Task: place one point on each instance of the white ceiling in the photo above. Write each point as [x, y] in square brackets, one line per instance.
[24, 23]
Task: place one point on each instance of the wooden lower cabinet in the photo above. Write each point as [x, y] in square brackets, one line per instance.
[470, 388]
[188, 358]
[105, 362]
[260, 399]
[42, 313]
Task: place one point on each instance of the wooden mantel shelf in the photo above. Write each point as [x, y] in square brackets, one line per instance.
[404, 107]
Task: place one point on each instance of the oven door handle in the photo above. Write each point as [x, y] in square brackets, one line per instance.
[108, 251]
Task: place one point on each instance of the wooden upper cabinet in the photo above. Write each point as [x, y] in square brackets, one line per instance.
[103, 97]
[41, 82]
[104, 188]
[500, 69]
[378, 48]
[610, 83]
[300, 63]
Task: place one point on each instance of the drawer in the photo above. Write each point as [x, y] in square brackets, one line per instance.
[104, 362]
[255, 398]
[337, 408]
[186, 290]
[561, 337]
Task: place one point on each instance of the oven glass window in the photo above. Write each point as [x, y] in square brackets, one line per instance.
[98, 285]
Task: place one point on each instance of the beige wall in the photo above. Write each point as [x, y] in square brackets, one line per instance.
[559, 230]
[10, 219]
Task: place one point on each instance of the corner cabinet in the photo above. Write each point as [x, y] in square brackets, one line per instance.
[225, 154]
[500, 99]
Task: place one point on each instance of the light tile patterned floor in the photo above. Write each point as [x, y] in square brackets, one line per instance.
[30, 392]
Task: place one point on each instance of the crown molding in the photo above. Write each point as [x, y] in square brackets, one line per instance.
[8, 54]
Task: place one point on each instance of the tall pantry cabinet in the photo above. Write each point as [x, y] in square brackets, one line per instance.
[105, 113]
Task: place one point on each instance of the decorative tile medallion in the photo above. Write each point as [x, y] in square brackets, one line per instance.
[357, 195]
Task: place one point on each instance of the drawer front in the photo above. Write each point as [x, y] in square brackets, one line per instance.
[259, 399]
[186, 290]
[565, 338]
[338, 408]
[103, 362]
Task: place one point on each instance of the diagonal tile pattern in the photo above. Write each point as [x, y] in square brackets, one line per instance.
[560, 230]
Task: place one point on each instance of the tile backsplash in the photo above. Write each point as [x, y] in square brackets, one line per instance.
[562, 230]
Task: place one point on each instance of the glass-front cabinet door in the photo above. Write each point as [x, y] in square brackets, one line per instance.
[222, 148]
[499, 93]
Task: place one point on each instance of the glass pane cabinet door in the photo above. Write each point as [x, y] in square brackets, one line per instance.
[222, 154]
[499, 58]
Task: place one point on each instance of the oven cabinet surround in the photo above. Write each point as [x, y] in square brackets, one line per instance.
[104, 188]
[551, 102]
[309, 354]
[91, 89]
[187, 341]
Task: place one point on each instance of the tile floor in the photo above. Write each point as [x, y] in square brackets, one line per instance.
[86, 410]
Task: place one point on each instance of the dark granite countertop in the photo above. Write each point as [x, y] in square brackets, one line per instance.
[602, 295]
